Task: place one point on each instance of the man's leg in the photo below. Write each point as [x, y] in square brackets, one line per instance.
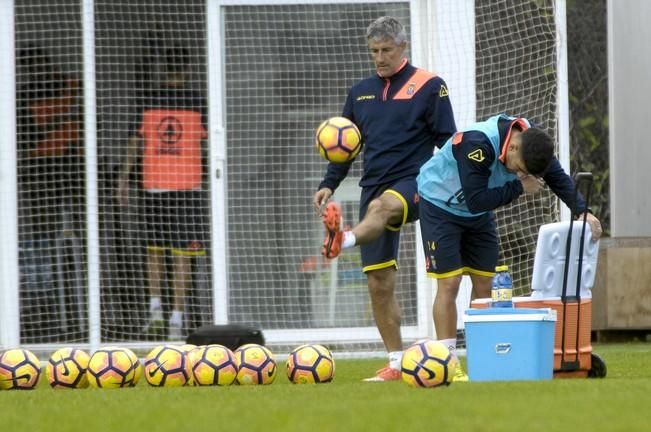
[481, 286]
[387, 209]
[386, 311]
[182, 281]
[445, 318]
[445, 308]
[155, 272]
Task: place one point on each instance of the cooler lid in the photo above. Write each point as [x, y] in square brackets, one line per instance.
[509, 314]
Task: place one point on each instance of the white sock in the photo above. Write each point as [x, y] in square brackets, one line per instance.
[154, 304]
[349, 240]
[176, 319]
[451, 344]
[395, 360]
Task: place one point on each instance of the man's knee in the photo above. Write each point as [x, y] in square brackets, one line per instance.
[387, 207]
[448, 288]
[381, 284]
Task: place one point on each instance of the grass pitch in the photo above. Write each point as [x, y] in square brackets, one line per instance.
[620, 402]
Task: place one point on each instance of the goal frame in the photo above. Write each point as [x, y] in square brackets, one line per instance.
[426, 48]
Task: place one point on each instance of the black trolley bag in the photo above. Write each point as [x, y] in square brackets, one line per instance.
[571, 364]
[231, 336]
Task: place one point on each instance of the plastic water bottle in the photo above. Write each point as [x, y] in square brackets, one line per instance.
[502, 290]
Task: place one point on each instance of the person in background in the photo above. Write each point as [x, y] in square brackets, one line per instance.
[49, 142]
[485, 166]
[168, 143]
[403, 113]
[50, 186]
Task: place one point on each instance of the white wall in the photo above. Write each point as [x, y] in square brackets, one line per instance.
[629, 64]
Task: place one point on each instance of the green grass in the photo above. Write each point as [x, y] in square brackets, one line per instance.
[620, 402]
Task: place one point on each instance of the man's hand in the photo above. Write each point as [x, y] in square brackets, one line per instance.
[531, 184]
[320, 198]
[595, 225]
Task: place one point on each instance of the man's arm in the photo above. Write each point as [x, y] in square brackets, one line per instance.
[563, 186]
[440, 115]
[125, 169]
[474, 155]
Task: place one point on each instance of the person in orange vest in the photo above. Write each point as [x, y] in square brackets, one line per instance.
[168, 142]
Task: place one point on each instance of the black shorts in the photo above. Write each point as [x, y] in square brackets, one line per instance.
[383, 251]
[175, 221]
[455, 245]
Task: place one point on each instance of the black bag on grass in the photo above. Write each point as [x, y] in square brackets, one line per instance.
[229, 335]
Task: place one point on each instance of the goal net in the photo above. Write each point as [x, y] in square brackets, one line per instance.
[229, 235]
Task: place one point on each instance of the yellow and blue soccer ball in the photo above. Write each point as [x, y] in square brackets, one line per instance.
[338, 140]
[189, 350]
[66, 369]
[20, 369]
[256, 365]
[310, 364]
[214, 365]
[110, 368]
[167, 366]
[137, 367]
[428, 363]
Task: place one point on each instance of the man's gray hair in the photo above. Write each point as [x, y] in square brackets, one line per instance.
[386, 27]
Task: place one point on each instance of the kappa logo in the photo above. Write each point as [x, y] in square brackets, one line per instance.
[443, 91]
[476, 155]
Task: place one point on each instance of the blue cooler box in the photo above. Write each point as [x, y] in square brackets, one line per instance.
[505, 344]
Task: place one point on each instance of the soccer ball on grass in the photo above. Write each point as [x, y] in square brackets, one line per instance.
[66, 369]
[256, 365]
[110, 368]
[137, 367]
[189, 350]
[310, 364]
[20, 369]
[214, 365]
[167, 366]
[428, 363]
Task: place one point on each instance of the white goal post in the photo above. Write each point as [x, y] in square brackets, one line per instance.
[77, 262]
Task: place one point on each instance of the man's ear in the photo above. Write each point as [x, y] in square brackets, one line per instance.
[514, 143]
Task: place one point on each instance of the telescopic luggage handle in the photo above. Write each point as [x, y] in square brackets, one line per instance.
[579, 178]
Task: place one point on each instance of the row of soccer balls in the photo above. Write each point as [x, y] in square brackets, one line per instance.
[165, 366]
[425, 363]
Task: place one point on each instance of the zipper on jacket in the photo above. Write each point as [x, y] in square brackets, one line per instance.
[387, 83]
